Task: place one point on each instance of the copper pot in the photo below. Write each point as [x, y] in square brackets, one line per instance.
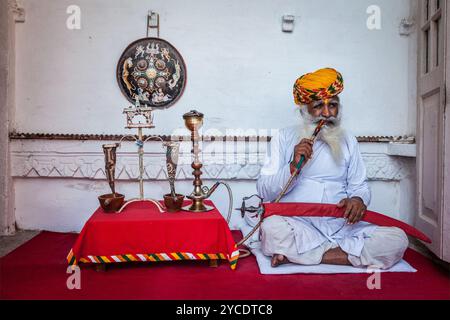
[111, 202]
[173, 204]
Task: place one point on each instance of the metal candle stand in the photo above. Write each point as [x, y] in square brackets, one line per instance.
[131, 114]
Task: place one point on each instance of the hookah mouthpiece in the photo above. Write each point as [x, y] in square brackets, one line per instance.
[319, 127]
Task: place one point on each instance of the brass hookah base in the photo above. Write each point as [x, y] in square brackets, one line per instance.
[198, 206]
[200, 193]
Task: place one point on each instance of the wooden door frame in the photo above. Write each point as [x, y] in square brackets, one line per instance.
[446, 182]
[426, 84]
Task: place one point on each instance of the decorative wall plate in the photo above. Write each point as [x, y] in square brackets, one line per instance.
[153, 71]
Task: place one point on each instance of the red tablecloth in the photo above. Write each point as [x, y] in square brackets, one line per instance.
[142, 233]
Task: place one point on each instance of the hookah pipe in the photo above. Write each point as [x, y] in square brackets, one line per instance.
[297, 171]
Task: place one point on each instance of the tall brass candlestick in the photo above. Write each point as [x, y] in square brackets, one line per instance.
[193, 121]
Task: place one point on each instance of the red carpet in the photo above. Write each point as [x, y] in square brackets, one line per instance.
[37, 270]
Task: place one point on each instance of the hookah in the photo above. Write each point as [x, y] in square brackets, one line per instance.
[260, 209]
[193, 121]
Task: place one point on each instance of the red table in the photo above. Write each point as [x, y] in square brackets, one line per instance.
[142, 233]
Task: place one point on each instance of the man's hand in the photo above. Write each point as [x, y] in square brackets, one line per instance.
[354, 209]
[304, 148]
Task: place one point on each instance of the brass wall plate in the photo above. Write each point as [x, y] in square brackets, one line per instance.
[152, 71]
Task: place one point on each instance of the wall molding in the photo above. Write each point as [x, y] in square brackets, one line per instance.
[223, 166]
[116, 137]
[382, 167]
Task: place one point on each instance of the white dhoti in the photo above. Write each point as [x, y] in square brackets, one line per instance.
[382, 249]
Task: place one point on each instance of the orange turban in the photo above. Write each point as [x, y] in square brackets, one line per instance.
[322, 84]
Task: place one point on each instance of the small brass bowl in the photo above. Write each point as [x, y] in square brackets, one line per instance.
[111, 202]
[173, 204]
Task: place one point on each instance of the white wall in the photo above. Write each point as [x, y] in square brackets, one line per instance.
[241, 68]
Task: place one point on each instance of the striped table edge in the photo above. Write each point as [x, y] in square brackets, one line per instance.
[155, 257]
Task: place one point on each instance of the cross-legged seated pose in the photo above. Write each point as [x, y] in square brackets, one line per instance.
[333, 172]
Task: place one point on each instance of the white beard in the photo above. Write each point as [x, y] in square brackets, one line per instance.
[332, 135]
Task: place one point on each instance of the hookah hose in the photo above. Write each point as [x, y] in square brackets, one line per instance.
[230, 196]
[230, 200]
[245, 253]
[286, 187]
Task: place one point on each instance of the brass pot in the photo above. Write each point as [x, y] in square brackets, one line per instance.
[173, 204]
[111, 202]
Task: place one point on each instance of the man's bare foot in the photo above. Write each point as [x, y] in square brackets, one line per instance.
[278, 259]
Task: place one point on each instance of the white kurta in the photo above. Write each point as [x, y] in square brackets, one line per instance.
[322, 180]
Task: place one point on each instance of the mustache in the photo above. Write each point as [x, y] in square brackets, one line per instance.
[333, 121]
[330, 120]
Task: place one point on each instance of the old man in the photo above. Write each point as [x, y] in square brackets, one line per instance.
[333, 173]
